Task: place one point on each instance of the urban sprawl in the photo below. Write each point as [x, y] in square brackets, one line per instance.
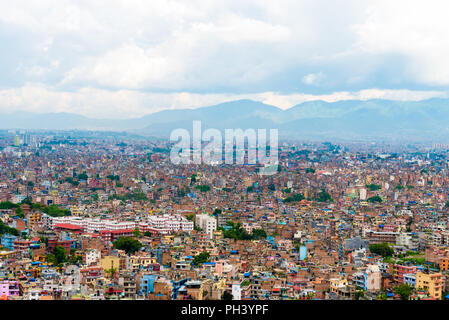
[93, 216]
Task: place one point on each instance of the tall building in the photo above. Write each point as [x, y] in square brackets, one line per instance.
[207, 223]
[432, 283]
[16, 141]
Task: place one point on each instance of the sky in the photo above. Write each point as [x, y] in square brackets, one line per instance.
[125, 59]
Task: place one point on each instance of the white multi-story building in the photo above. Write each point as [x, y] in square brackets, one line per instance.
[404, 239]
[163, 224]
[94, 225]
[166, 223]
[92, 257]
[207, 223]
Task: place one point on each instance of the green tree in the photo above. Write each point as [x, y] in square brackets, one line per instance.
[6, 229]
[113, 177]
[323, 196]
[55, 211]
[19, 213]
[403, 290]
[203, 188]
[374, 199]
[382, 249]
[59, 255]
[373, 187]
[359, 294]
[137, 233]
[111, 272]
[128, 244]
[294, 198]
[201, 258]
[259, 234]
[83, 176]
[8, 205]
[236, 232]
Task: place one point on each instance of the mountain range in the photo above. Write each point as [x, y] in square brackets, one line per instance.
[350, 119]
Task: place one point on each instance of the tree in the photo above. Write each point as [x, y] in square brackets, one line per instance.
[203, 188]
[373, 187]
[137, 233]
[113, 177]
[404, 290]
[375, 199]
[110, 272]
[8, 205]
[6, 229]
[296, 197]
[259, 234]
[74, 258]
[128, 244]
[382, 249]
[236, 232]
[83, 176]
[201, 258]
[19, 212]
[323, 196]
[55, 211]
[58, 256]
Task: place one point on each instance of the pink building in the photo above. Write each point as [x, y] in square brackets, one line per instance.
[9, 288]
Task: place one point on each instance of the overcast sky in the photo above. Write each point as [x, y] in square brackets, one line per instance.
[116, 59]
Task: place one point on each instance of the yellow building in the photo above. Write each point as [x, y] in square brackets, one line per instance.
[137, 262]
[34, 217]
[76, 211]
[168, 239]
[432, 283]
[110, 262]
[337, 284]
[444, 264]
[218, 234]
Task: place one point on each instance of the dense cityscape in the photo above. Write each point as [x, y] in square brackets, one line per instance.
[103, 215]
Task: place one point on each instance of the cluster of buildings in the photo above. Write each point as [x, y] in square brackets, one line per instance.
[335, 222]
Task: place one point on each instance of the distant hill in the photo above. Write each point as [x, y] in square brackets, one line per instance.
[353, 119]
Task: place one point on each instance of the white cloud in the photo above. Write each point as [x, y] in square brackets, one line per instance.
[313, 78]
[413, 29]
[99, 58]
